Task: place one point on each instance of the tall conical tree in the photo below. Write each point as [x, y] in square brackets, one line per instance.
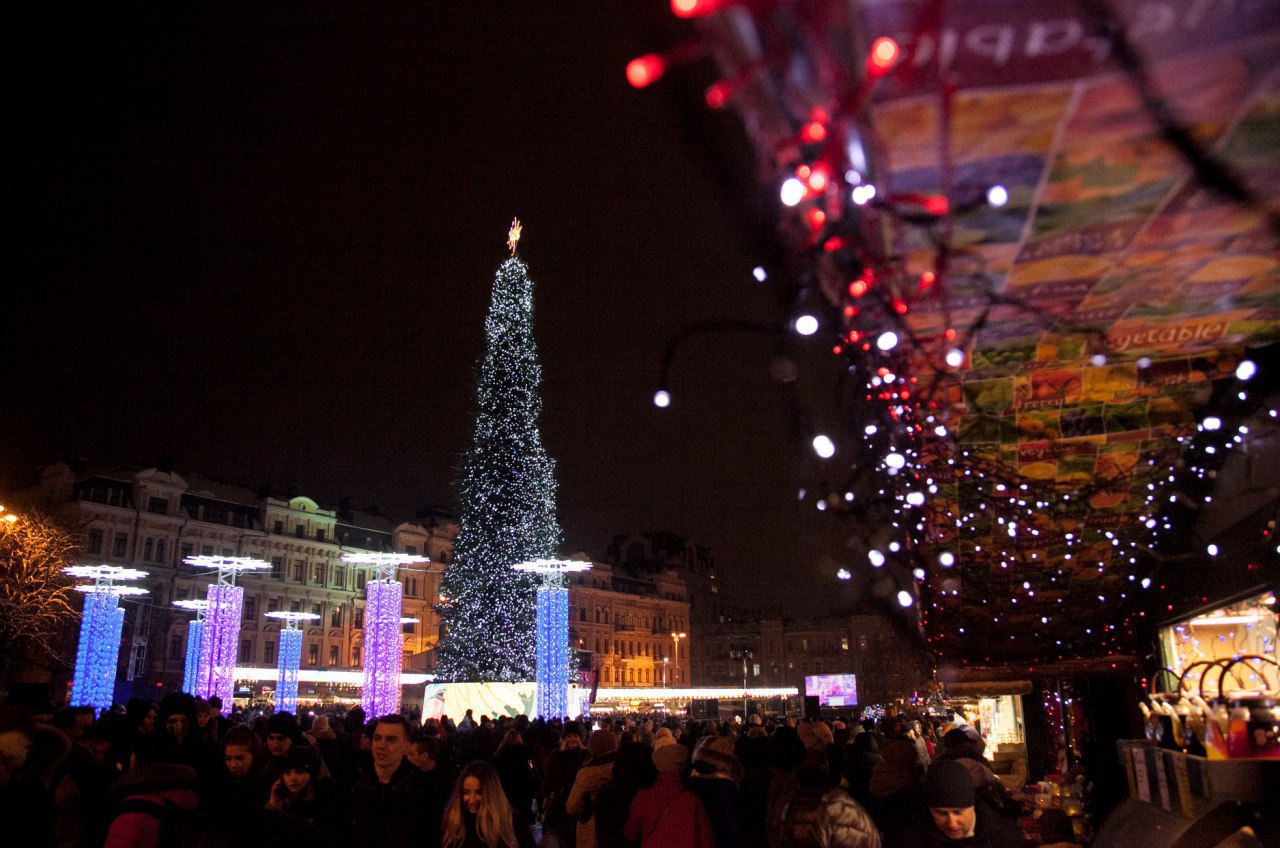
[507, 498]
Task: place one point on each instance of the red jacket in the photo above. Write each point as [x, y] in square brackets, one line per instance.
[669, 816]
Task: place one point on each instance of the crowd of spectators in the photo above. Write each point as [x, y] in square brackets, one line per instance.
[178, 772]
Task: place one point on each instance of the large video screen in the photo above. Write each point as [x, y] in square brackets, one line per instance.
[833, 690]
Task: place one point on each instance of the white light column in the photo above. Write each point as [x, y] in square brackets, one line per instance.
[552, 670]
[383, 633]
[98, 652]
[220, 638]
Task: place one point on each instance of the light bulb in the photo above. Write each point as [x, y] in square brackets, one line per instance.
[823, 446]
[661, 398]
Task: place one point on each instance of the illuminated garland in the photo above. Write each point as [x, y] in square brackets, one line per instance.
[219, 643]
[191, 666]
[101, 624]
[506, 502]
[383, 640]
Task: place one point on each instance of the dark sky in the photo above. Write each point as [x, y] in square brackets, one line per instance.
[263, 242]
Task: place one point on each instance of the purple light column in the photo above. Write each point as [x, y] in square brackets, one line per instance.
[383, 638]
[219, 644]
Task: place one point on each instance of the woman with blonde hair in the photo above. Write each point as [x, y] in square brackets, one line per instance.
[478, 813]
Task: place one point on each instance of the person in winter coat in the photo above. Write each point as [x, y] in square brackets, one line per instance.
[561, 771]
[633, 770]
[667, 815]
[824, 816]
[715, 779]
[594, 774]
[897, 791]
[513, 761]
[477, 814]
[157, 807]
[957, 817]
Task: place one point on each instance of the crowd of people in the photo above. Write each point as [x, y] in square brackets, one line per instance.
[180, 773]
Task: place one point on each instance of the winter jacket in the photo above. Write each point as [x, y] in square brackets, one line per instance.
[582, 798]
[827, 817]
[666, 815]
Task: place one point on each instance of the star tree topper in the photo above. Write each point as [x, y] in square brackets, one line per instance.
[513, 236]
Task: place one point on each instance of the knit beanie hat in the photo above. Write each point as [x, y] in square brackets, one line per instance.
[302, 758]
[948, 784]
[283, 723]
[670, 757]
[601, 743]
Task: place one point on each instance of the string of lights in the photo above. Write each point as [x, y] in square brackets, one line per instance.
[101, 624]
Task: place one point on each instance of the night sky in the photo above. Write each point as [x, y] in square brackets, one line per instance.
[262, 242]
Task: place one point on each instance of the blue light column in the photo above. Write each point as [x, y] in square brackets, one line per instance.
[98, 652]
[552, 684]
[191, 669]
[287, 670]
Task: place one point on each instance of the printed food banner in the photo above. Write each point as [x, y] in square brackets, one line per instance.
[1097, 305]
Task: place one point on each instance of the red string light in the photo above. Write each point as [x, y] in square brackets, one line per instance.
[646, 70]
[883, 55]
[695, 8]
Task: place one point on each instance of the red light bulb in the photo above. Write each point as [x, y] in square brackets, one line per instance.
[884, 52]
[718, 94]
[694, 8]
[833, 244]
[813, 131]
[646, 70]
[936, 204]
[927, 279]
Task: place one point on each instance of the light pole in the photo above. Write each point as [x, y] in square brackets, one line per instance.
[666, 663]
[742, 652]
[675, 638]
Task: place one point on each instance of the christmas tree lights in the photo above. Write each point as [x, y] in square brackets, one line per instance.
[289, 659]
[552, 672]
[98, 651]
[506, 501]
[195, 633]
[383, 631]
[220, 634]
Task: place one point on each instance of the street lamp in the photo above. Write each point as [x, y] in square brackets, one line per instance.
[666, 664]
[675, 638]
[744, 653]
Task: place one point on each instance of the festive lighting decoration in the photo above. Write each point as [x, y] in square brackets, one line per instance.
[289, 659]
[98, 651]
[884, 53]
[507, 502]
[793, 191]
[195, 634]
[696, 8]
[997, 195]
[823, 446]
[383, 630]
[552, 672]
[806, 325]
[646, 70]
[220, 635]
[662, 398]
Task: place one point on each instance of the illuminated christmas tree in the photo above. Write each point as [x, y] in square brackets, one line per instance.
[507, 497]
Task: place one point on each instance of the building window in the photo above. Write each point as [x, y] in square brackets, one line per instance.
[410, 626]
[175, 647]
[300, 572]
[361, 578]
[755, 669]
[315, 609]
[294, 607]
[206, 550]
[313, 654]
[159, 550]
[181, 594]
[333, 655]
[246, 651]
[355, 656]
[301, 532]
[119, 544]
[269, 653]
[862, 642]
[146, 550]
[277, 567]
[93, 545]
[272, 605]
[187, 550]
[358, 624]
[320, 538]
[159, 506]
[844, 643]
[340, 576]
[278, 528]
[335, 617]
[250, 608]
[319, 575]
[405, 660]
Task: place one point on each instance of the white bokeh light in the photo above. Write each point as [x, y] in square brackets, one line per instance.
[997, 195]
[792, 192]
[888, 340]
[661, 398]
[823, 446]
[1245, 370]
[875, 557]
[806, 325]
